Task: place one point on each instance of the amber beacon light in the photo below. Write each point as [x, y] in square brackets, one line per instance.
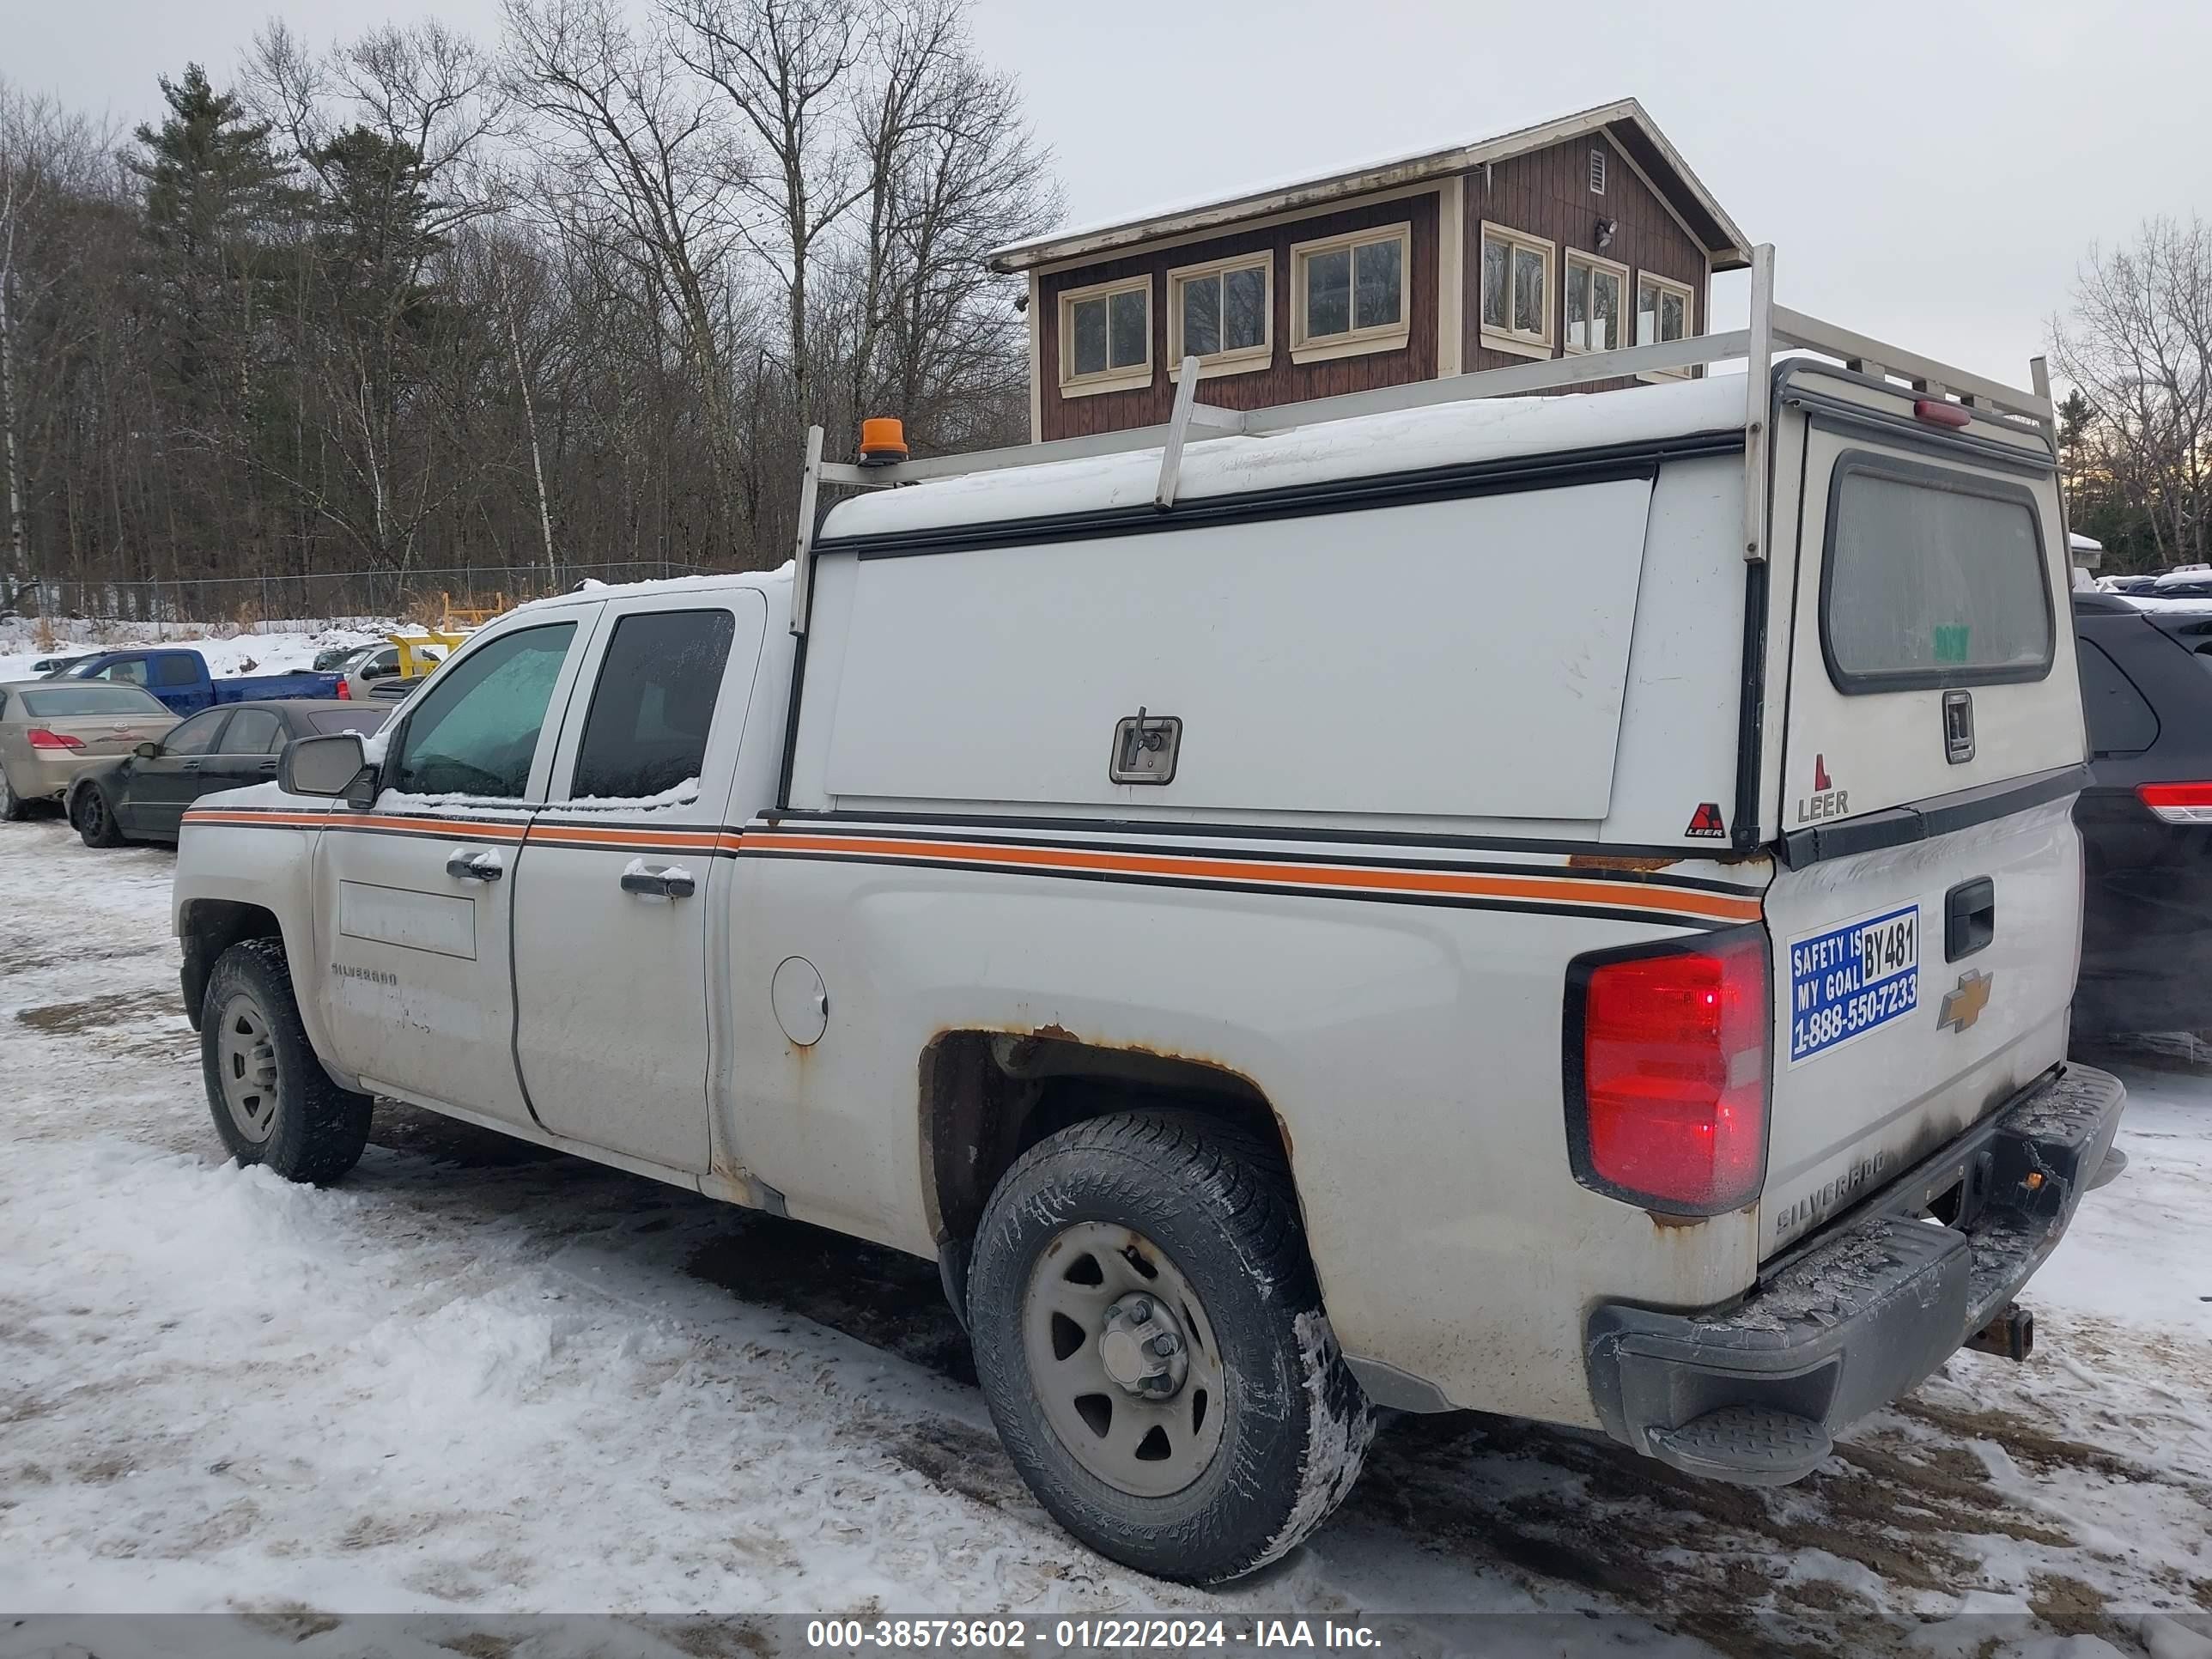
[883, 441]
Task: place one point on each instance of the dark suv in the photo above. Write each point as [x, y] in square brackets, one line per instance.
[2146, 818]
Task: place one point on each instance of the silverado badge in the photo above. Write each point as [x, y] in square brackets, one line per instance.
[1963, 1003]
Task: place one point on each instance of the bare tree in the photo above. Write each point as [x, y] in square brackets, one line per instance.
[789, 69]
[2137, 343]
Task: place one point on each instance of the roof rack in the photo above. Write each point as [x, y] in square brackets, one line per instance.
[1772, 328]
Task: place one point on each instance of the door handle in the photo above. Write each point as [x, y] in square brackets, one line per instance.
[189, 766]
[475, 867]
[269, 765]
[1969, 917]
[674, 882]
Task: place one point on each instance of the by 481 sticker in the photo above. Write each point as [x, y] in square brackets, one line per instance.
[1850, 978]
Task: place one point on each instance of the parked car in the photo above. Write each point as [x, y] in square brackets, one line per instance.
[46, 666]
[178, 676]
[141, 796]
[51, 730]
[1277, 960]
[380, 672]
[2146, 818]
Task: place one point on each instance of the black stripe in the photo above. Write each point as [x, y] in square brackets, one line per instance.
[808, 818]
[1449, 901]
[1604, 464]
[1939, 814]
[1638, 877]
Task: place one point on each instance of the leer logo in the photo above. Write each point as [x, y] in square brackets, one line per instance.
[1826, 801]
[1706, 822]
[1963, 1003]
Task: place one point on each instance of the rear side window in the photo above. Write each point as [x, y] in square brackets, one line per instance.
[647, 731]
[175, 670]
[2120, 721]
[253, 731]
[1932, 577]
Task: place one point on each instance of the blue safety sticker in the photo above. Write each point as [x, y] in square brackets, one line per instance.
[1847, 980]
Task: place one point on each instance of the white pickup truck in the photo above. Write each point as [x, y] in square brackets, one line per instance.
[1562, 906]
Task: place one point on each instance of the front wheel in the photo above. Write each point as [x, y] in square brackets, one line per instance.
[1151, 1342]
[273, 1103]
[93, 815]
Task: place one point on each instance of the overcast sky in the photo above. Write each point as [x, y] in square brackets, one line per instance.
[1929, 173]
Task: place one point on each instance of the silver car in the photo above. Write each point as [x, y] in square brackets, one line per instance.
[51, 730]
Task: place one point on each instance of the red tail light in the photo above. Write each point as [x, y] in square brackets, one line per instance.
[1668, 1056]
[41, 738]
[2178, 803]
[345, 689]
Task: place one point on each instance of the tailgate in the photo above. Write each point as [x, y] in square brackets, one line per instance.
[1927, 926]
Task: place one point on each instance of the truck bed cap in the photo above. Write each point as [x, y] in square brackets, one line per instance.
[1403, 440]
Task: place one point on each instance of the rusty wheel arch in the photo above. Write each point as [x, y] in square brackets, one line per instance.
[988, 1095]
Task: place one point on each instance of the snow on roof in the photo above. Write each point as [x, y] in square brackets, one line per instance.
[1403, 440]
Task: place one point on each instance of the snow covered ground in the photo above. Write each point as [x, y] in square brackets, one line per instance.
[478, 1381]
[281, 649]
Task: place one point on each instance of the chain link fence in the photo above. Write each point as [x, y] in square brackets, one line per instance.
[324, 595]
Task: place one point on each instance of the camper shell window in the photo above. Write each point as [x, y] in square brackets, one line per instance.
[1931, 577]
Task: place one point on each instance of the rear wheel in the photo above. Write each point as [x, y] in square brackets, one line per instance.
[1150, 1339]
[93, 815]
[273, 1103]
[12, 805]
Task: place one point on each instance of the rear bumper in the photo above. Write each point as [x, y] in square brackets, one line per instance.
[45, 778]
[1867, 1311]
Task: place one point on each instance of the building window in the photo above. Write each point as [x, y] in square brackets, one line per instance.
[1517, 292]
[1219, 314]
[1664, 311]
[1348, 294]
[1596, 290]
[1106, 336]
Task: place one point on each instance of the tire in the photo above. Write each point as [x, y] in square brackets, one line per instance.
[273, 1103]
[1209, 1211]
[13, 806]
[93, 816]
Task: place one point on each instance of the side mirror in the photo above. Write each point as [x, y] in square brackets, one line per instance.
[146, 751]
[324, 766]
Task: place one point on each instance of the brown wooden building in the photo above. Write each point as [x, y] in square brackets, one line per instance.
[1583, 234]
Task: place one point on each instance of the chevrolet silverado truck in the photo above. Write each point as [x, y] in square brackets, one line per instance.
[1204, 889]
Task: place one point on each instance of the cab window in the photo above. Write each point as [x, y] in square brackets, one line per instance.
[647, 731]
[175, 670]
[476, 730]
[196, 736]
[129, 672]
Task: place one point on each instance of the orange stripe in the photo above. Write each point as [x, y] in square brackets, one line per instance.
[1549, 890]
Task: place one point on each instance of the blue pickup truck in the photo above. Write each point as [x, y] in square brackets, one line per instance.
[179, 678]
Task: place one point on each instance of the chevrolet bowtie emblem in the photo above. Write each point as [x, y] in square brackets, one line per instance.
[1963, 1005]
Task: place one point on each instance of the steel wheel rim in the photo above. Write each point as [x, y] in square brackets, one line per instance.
[93, 810]
[245, 1059]
[1146, 1448]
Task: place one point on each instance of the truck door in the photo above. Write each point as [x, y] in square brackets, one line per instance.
[1926, 926]
[414, 899]
[619, 884]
